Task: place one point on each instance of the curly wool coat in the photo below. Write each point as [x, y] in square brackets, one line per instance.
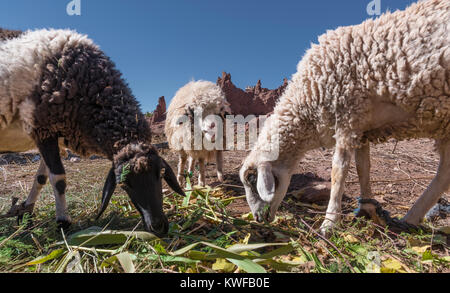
[59, 83]
[202, 99]
[355, 74]
[385, 78]
[195, 95]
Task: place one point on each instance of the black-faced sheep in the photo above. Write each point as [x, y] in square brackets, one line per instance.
[58, 86]
[385, 78]
[203, 106]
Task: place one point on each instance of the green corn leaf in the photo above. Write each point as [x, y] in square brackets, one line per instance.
[187, 198]
[222, 252]
[124, 259]
[65, 261]
[94, 236]
[42, 259]
[125, 172]
[238, 248]
[277, 265]
[248, 266]
[172, 259]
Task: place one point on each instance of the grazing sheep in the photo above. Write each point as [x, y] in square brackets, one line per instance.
[386, 78]
[57, 86]
[205, 100]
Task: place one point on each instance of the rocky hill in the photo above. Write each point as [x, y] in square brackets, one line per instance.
[254, 100]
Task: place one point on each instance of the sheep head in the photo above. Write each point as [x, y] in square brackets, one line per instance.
[139, 170]
[209, 118]
[265, 184]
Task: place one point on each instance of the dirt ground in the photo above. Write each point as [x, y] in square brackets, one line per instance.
[400, 173]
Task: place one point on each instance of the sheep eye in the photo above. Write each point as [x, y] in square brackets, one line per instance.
[251, 177]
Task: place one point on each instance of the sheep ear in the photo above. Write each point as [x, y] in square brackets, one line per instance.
[170, 178]
[266, 183]
[108, 190]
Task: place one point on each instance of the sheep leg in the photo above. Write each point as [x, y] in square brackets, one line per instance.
[191, 166]
[433, 193]
[50, 152]
[362, 159]
[341, 163]
[39, 181]
[181, 164]
[202, 169]
[219, 164]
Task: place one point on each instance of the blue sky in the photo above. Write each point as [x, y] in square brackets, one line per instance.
[161, 45]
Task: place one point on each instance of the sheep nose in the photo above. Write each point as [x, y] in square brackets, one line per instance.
[160, 227]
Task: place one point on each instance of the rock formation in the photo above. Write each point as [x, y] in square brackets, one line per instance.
[254, 100]
[159, 115]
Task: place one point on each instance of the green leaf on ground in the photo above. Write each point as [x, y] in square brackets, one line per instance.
[42, 259]
[94, 236]
[124, 259]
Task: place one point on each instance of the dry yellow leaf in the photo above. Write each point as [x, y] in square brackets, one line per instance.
[392, 266]
[247, 238]
[248, 217]
[350, 238]
[223, 265]
[420, 249]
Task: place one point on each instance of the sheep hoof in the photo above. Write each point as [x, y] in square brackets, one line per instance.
[396, 225]
[372, 210]
[18, 211]
[326, 230]
[63, 224]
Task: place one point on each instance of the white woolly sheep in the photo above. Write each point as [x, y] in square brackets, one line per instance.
[204, 107]
[57, 85]
[385, 78]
